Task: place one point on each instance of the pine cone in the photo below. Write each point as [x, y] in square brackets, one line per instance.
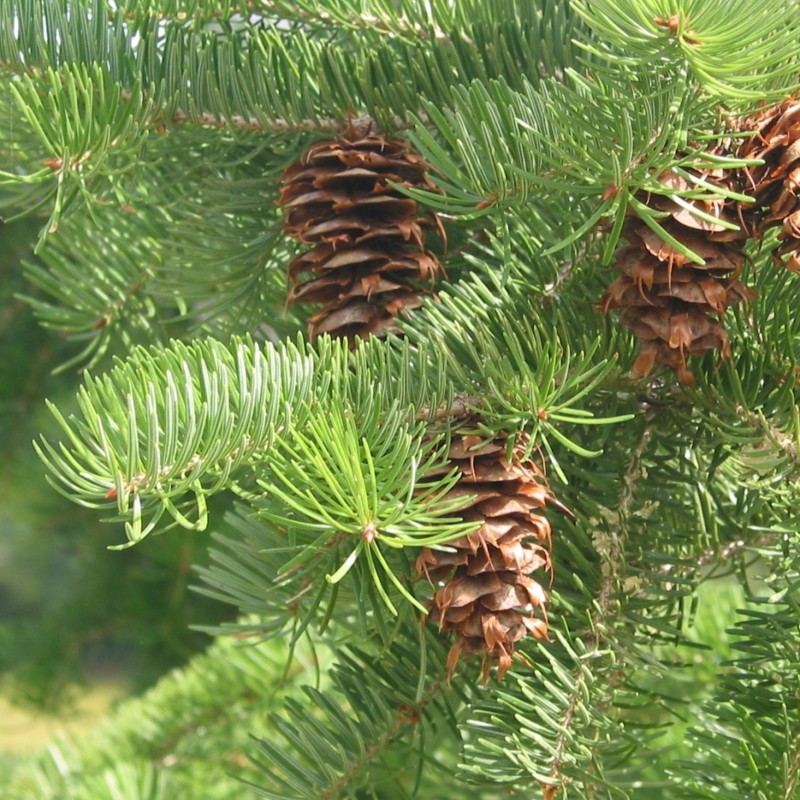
[485, 593]
[672, 304]
[369, 261]
[775, 184]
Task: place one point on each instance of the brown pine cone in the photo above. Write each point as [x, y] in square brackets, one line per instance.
[485, 593]
[775, 184]
[671, 303]
[369, 263]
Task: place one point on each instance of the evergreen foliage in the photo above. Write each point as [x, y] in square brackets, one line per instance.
[149, 138]
[68, 606]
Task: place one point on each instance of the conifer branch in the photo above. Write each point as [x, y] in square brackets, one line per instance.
[12, 70]
[771, 434]
[613, 556]
[277, 125]
[206, 119]
[719, 555]
[183, 16]
[460, 407]
[405, 718]
[331, 752]
[221, 688]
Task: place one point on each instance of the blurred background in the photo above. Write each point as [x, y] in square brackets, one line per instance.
[80, 626]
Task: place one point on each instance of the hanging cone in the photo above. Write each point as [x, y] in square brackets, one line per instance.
[672, 304]
[368, 263]
[775, 184]
[486, 594]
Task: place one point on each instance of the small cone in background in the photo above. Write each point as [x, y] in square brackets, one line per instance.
[671, 303]
[486, 593]
[775, 184]
[368, 263]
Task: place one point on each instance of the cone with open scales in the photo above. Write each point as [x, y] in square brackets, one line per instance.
[673, 304]
[368, 263]
[488, 585]
[775, 184]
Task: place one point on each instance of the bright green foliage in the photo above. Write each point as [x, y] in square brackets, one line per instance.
[86, 127]
[734, 50]
[182, 422]
[148, 139]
